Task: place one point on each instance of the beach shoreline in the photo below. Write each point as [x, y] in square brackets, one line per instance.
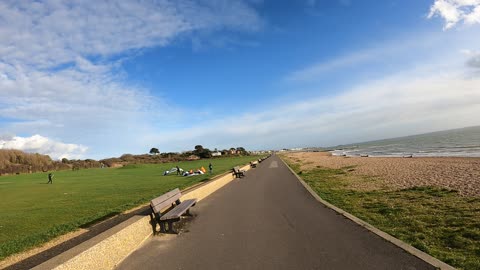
[455, 173]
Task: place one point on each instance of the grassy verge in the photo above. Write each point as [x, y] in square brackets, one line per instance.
[436, 221]
[33, 212]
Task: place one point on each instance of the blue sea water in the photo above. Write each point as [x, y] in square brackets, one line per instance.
[464, 142]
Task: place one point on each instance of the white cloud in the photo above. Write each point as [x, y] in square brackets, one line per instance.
[455, 11]
[58, 76]
[40, 144]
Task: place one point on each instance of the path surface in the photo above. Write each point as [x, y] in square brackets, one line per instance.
[267, 220]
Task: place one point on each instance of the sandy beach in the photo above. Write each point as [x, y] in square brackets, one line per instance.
[461, 174]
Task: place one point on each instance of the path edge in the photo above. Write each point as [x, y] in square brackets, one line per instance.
[397, 242]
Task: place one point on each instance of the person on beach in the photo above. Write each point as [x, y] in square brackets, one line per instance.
[210, 168]
[50, 178]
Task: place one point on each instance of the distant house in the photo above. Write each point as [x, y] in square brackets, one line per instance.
[216, 154]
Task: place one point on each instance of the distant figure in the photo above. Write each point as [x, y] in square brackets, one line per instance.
[178, 170]
[210, 168]
[50, 178]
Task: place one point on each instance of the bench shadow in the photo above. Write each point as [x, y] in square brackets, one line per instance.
[93, 231]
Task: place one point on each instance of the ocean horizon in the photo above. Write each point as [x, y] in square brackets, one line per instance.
[463, 142]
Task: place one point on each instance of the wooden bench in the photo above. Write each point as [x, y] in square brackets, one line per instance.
[253, 164]
[237, 172]
[176, 209]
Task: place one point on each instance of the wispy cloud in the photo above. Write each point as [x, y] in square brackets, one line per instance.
[429, 89]
[397, 51]
[53, 32]
[455, 11]
[323, 67]
[397, 105]
[59, 70]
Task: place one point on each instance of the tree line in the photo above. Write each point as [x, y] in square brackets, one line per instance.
[16, 161]
[202, 152]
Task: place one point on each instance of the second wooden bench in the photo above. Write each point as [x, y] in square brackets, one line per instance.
[176, 209]
[237, 172]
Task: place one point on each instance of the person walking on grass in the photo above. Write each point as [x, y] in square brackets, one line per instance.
[50, 178]
[210, 168]
[178, 170]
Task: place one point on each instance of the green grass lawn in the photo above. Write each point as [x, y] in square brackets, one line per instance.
[436, 221]
[33, 212]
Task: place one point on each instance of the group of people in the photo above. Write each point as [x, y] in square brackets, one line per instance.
[177, 169]
[180, 171]
[195, 172]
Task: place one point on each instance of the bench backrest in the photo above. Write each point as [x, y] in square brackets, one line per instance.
[166, 200]
[236, 169]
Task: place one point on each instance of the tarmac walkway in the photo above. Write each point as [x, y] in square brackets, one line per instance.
[267, 220]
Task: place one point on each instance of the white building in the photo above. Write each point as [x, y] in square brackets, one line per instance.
[216, 154]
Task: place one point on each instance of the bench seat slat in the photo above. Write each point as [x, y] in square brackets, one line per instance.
[164, 201]
[179, 209]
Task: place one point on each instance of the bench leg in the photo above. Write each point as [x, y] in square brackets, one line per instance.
[170, 228]
[162, 227]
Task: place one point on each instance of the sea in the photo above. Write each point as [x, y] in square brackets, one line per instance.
[464, 142]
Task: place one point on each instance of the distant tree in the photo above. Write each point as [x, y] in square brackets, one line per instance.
[206, 153]
[64, 160]
[241, 150]
[202, 152]
[154, 151]
[198, 150]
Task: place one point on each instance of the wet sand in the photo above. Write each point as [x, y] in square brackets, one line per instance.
[461, 174]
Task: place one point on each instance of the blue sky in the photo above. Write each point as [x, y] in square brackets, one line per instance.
[100, 79]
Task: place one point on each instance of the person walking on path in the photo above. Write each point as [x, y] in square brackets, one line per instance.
[210, 168]
[50, 178]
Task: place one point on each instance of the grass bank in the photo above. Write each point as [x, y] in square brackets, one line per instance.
[33, 212]
[436, 221]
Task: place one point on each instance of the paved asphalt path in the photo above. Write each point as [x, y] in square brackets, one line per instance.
[267, 220]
